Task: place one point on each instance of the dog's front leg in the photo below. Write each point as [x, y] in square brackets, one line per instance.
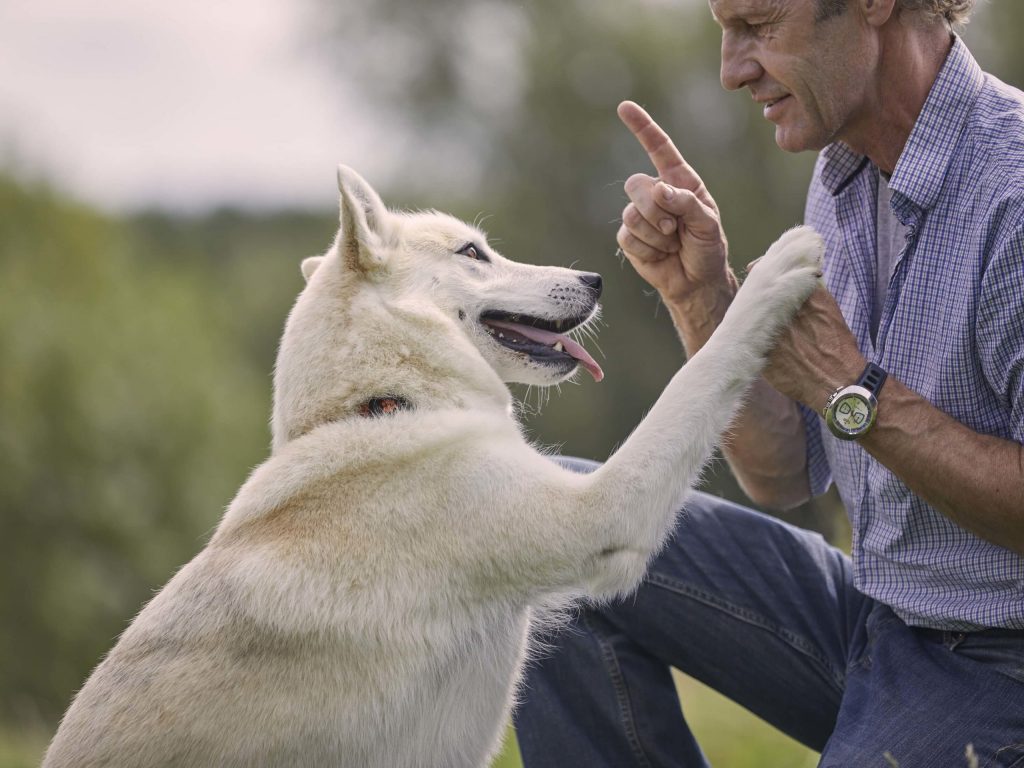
[649, 476]
[598, 531]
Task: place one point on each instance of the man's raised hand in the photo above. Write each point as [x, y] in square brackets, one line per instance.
[671, 230]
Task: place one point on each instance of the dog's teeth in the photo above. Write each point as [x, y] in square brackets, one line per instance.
[501, 335]
[558, 347]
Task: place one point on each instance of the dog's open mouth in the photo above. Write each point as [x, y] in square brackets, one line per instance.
[543, 340]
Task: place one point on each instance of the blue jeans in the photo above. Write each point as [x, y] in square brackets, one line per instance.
[767, 614]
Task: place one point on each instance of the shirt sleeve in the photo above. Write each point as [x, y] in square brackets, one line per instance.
[819, 473]
[1000, 327]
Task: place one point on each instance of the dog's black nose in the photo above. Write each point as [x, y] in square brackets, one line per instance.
[593, 282]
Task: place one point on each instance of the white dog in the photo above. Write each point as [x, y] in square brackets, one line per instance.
[366, 600]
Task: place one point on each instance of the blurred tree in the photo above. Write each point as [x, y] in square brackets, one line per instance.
[135, 394]
[994, 38]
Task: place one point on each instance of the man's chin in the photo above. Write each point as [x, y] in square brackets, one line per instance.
[793, 139]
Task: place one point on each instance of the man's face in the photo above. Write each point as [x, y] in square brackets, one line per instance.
[810, 75]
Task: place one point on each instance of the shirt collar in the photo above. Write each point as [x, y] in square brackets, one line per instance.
[932, 142]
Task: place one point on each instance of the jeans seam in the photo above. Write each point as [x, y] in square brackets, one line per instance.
[621, 694]
[753, 618]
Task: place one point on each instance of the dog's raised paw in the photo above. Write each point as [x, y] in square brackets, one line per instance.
[780, 282]
[799, 247]
[791, 267]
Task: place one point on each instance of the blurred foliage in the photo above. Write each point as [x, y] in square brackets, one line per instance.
[137, 351]
[135, 387]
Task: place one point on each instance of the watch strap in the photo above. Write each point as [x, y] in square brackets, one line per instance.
[872, 379]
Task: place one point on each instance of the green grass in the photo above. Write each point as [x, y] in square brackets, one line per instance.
[729, 735]
[509, 757]
[21, 747]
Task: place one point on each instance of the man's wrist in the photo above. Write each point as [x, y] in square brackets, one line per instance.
[841, 373]
[699, 312]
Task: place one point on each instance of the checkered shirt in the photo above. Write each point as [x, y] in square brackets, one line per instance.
[951, 329]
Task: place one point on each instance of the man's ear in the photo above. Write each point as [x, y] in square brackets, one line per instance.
[309, 266]
[364, 221]
[877, 12]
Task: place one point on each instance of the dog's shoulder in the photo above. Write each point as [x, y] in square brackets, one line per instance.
[340, 458]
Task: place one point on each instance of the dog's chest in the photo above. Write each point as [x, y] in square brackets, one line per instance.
[455, 700]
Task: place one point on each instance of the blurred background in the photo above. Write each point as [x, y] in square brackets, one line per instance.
[164, 167]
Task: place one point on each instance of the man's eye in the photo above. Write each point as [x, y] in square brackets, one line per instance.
[470, 250]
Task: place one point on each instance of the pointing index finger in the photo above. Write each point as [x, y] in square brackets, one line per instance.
[668, 162]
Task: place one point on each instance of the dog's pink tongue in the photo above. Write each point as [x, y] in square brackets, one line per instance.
[549, 338]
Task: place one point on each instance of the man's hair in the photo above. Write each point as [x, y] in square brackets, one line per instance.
[953, 11]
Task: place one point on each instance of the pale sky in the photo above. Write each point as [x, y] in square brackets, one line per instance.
[127, 103]
[187, 104]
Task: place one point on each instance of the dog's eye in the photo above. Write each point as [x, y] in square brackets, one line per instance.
[470, 250]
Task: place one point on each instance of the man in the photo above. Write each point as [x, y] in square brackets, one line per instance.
[914, 350]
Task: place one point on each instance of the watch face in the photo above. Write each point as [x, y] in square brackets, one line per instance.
[851, 413]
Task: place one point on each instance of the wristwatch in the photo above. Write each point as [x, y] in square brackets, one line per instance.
[850, 411]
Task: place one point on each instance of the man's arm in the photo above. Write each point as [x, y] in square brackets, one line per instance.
[975, 480]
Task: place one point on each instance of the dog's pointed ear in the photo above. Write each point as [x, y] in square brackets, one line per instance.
[309, 266]
[364, 221]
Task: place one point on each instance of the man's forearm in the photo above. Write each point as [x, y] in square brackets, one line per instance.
[767, 449]
[975, 480]
[697, 317]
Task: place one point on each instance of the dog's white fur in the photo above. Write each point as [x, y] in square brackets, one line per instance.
[366, 599]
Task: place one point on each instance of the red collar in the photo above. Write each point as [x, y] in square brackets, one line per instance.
[385, 405]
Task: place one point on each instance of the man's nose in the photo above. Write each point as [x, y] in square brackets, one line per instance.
[740, 67]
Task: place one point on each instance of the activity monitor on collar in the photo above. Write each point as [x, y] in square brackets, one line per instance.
[851, 411]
